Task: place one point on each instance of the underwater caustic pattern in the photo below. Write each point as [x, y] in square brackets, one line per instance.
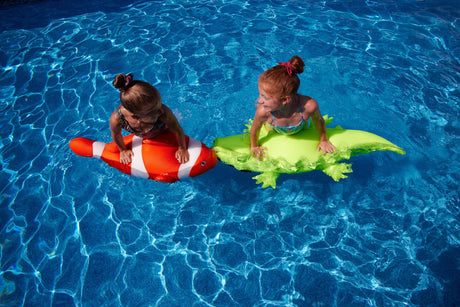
[76, 232]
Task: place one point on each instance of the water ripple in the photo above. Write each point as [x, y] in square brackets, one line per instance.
[76, 232]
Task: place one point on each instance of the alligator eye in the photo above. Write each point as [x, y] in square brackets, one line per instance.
[203, 163]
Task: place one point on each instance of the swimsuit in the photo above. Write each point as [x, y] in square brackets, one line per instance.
[290, 129]
[157, 128]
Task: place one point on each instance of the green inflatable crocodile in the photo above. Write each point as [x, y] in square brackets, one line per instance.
[297, 153]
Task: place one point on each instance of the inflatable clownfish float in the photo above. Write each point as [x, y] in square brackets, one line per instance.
[153, 158]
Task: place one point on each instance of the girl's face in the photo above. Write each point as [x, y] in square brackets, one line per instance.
[142, 122]
[268, 102]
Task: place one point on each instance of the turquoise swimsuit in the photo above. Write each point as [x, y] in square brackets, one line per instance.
[157, 128]
[291, 129]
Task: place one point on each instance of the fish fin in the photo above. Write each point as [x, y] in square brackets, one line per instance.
[337, 170]
[165, 178]
[268, 179]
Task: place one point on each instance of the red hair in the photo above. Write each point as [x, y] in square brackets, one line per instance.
[278, 82]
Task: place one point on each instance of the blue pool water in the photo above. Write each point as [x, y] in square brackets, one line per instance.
[75, 232]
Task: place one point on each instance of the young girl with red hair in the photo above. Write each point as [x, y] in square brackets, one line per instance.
[283, 109]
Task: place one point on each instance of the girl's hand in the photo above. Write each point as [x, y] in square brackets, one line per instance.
[125, 156]
[182, 155]
[326, 146]
[258, 152]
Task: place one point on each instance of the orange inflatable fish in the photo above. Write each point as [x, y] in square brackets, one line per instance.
[153, 158]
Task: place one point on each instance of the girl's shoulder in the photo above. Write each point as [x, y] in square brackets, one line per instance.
[307, 104]
[304, 99]
[261, 113]
[164, 107]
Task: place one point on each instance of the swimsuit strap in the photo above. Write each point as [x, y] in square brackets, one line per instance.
[123, 122]
[289, 130]
[300, 112]
[273, 117]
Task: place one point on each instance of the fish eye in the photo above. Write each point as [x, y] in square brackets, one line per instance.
[203, 163]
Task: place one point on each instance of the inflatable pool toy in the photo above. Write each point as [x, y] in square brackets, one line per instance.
[153, 158]
[297, 153]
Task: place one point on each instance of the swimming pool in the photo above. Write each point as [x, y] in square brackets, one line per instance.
[76, 232]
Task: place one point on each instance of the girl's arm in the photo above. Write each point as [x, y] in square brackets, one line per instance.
[318, 121]
[182, 154]
[117, 136]
[259, 118]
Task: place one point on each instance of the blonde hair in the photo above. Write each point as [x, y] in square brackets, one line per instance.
[137, 96]
[282, 80]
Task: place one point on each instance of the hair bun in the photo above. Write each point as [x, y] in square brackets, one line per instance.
[297, 64]
[119, 81]
[122, 81]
